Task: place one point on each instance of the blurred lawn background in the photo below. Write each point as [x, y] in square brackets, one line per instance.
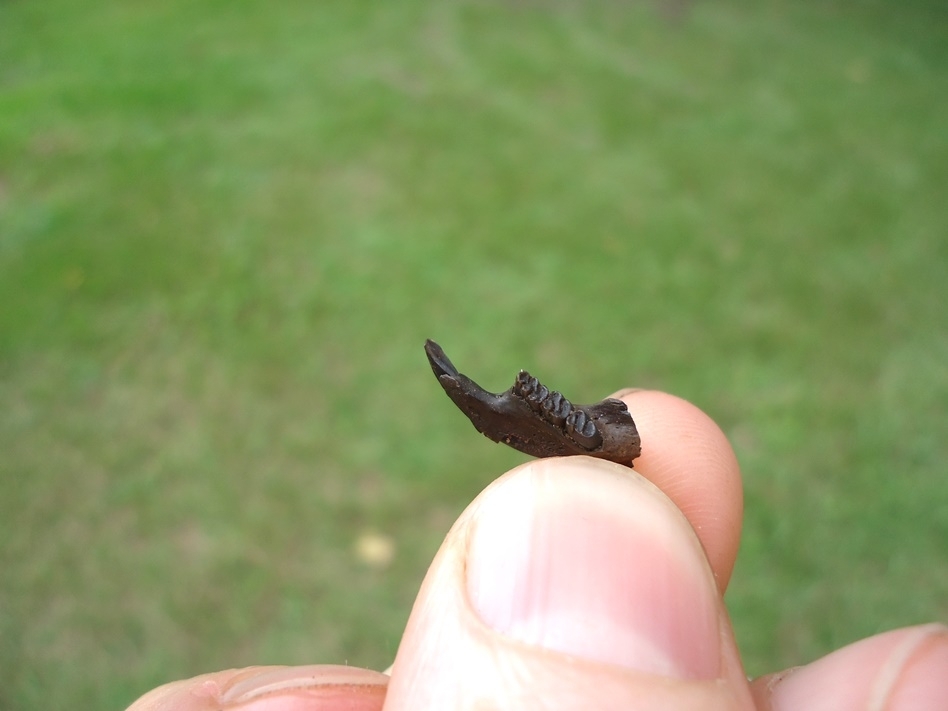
[226, 229]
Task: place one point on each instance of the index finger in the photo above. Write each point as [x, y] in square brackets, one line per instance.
[688, 457]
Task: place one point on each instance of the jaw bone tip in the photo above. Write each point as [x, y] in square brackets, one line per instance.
[438, 360]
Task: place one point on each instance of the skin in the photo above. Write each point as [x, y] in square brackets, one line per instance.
[574, 583]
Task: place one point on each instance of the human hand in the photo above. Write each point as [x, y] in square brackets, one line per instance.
[575, 583]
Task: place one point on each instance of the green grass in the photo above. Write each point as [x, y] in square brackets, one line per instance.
[226, 229]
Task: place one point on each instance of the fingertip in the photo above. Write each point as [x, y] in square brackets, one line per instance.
[689, 458]
[901, 670]
[585, 557]
[323, 686]
[197, 694]
[923, 681]
[569, 581]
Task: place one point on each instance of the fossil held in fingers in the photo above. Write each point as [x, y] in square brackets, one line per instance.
[538, 421]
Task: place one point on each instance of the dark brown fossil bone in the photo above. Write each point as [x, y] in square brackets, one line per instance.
[538, 421]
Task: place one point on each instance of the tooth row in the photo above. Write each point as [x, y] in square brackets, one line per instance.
[540, 397]
[556, 409]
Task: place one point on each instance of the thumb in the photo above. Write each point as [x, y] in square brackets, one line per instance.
[569, 583]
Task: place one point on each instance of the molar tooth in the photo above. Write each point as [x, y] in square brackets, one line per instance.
[556, 408]
[525, 384]
[583, 430]
[542, 393]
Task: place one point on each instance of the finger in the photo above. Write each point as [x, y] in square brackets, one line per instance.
[687, 456]
[311, 688]
[902, 670]
[569, 583]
